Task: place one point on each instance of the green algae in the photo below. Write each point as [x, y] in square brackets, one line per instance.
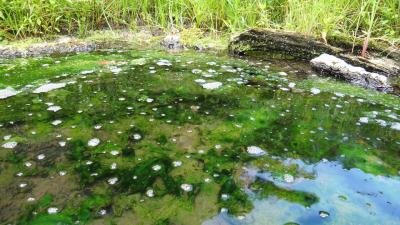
[206, 132]
[267, 188]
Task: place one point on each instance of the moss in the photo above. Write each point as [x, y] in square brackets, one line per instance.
[266, 188]
[237, 201]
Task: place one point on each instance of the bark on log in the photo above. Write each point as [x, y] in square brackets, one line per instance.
[285, 45]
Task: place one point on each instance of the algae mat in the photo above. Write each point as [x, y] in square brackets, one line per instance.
[148, 137]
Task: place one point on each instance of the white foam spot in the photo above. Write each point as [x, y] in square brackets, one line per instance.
[363, 120]
[10, 145]
[94, 142]
[212, 85]
[315, 91]
[187, 187]
[54, 108]
[52, 210]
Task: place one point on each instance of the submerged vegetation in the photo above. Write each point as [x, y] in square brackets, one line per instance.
[322, 18]
[147, 137]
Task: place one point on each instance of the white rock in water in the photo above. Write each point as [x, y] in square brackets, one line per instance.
[395, 126]
[335, 66]
[48, 87]
[187, 187]
[114, 152]
[288, 178]
[10, 145]
[177, 163]
[323, 214]
[255, 151]
[156, 167]
[200, 81]
[52, 210]
[150, 193]
[113, 180]
[212, 85]
[56, 122]
[164, 62]
[8, 92]
[315, 91]
[282, 73]
[54, 108]
[363, 120]
[137, 136]
[85, 72]
[94, 142]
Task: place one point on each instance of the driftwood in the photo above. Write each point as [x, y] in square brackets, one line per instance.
[331, 65]
[285, 45]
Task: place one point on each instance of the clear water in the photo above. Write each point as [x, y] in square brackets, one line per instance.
[147, 137]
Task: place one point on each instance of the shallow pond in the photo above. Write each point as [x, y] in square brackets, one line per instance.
[147, 137]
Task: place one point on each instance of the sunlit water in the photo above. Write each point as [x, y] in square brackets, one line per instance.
[143, 137]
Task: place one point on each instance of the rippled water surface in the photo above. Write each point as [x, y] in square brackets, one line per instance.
[147, 137]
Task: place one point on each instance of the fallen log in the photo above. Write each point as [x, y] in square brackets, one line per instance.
[383, 67]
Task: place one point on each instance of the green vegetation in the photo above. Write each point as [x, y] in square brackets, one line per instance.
[356, 18]
[172, 152]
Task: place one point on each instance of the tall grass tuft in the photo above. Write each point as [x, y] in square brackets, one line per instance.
[22, 18]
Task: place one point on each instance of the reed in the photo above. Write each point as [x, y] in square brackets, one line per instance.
[23, 18]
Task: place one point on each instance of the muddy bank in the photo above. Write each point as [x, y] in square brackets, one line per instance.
[60, 46]
[145, 38]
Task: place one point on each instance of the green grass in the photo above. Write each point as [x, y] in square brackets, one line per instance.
[357, 18]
